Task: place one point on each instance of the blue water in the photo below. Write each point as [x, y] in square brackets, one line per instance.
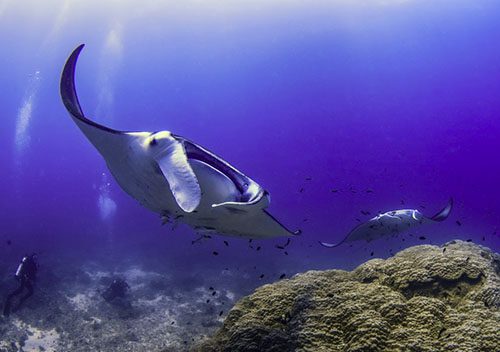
[393, 104]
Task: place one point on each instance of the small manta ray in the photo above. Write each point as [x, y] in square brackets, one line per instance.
[391, 223]
[175, 177]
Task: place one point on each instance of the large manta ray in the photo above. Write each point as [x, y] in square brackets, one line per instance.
[391, 223]
[175, 177]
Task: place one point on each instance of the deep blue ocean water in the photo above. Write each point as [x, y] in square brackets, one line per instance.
[335, 107]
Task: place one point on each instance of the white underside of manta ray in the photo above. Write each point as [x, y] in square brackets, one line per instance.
[391, 223]
[176, 178]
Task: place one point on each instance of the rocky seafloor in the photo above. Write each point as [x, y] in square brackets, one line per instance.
[425, 298]
[70, 315]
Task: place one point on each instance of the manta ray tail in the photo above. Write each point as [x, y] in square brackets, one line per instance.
[444, 213]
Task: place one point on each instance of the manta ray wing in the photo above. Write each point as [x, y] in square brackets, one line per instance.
[351, 236]
[172, 162]
[443, 213]
[105, 139]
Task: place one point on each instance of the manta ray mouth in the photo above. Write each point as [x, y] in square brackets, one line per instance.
[251, 193]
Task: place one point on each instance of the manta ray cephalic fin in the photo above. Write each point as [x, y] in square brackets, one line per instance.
[181, 178]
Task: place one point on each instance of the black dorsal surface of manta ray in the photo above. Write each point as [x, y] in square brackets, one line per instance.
[391, 223]
[176, 178]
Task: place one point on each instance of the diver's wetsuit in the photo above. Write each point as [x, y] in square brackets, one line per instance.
[26, 274]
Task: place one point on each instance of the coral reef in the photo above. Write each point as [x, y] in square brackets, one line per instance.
[425, 298]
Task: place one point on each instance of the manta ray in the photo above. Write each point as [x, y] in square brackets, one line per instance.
[391, 223]
[175, 177]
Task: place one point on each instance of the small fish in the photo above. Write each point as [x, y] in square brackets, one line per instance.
[422, 238]
[220, 313]
[308, 178]
[369, 191]
[282, 276]
[9, 242]
[210, 288]
[214, 293]
[282, 246]
[371, 254]
[226, 243]
[306, 219]
[334, 190]
[286, 253]
[215, 253]
[261, 276]
[287, 243]
[201, 238]
[208, 301]
[165, 219]
[301, 190]
[458, 223]
[258, 248]
[365, 212]
[468, 240]
[444, 249]
[484, 238]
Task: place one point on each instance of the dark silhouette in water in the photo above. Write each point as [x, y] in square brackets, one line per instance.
[26, 274]
[118, 288]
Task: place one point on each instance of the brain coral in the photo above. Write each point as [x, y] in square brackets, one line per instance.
[425, 298]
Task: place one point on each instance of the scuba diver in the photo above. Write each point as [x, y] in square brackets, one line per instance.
[26, 275]
[118, 288]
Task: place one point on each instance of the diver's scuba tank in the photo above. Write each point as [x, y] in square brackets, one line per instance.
[20, 268]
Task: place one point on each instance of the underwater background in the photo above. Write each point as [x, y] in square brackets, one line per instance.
[337, 108]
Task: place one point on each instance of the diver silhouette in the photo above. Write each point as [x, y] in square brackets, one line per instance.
[26, 275]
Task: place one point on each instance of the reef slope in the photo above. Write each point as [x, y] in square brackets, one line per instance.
[425, 298]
